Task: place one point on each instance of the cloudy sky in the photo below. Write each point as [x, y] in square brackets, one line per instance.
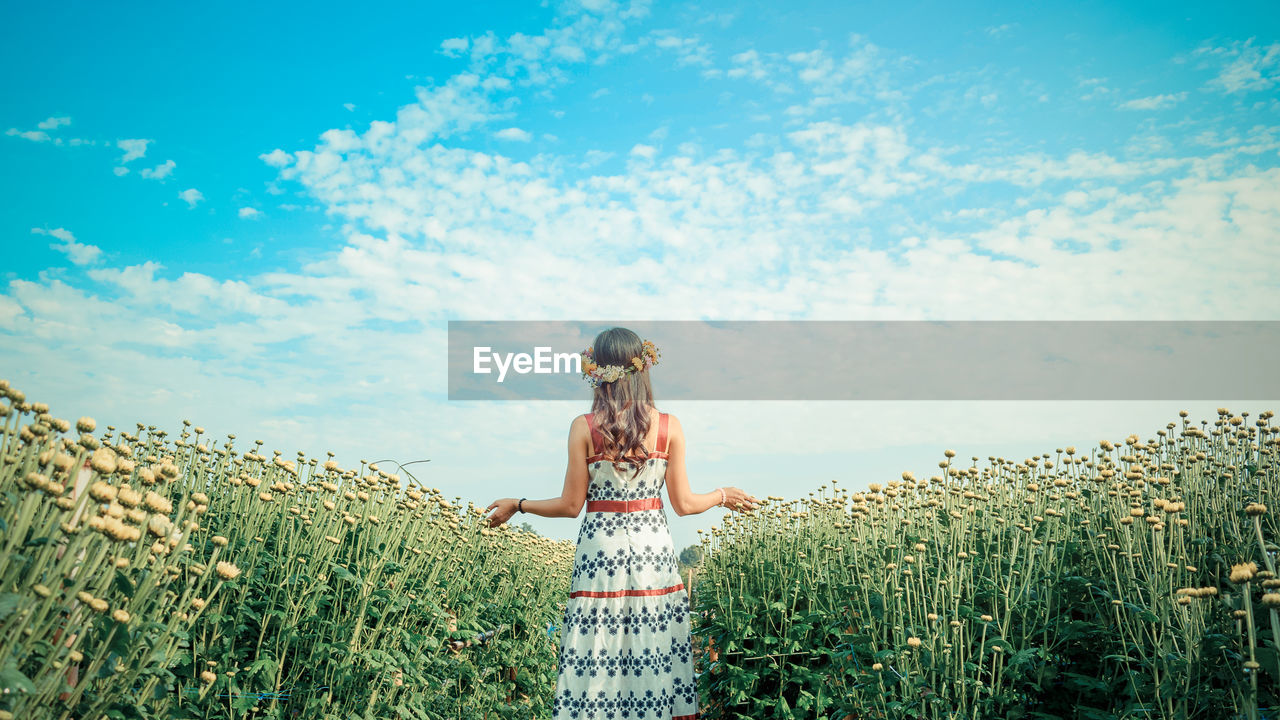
[262, 219]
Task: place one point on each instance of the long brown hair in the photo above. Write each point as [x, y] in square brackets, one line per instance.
[621, 408]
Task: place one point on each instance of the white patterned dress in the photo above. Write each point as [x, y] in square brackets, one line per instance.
[625, 648]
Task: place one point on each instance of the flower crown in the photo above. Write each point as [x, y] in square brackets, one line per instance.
[596, 374]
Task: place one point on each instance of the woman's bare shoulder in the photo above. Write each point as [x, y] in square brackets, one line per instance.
[673, 424]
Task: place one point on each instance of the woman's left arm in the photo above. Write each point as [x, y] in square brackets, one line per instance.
[571, 499]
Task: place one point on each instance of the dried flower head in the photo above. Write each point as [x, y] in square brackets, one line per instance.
[103, 461]
[1243, 572]
[227, 571]
[102, 492]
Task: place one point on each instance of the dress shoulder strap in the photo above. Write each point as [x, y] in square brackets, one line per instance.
[663, 440]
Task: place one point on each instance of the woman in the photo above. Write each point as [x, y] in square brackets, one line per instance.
[625, 649]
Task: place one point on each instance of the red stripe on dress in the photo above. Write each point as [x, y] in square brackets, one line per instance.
[650, 456]
[653, 503]
[685, 717]
[626, 593]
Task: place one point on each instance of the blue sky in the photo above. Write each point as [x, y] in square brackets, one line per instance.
[260, 217]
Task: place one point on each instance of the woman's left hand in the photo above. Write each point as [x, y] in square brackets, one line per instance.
[506, 507]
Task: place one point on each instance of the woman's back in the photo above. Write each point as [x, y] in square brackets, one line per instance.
[625, 643]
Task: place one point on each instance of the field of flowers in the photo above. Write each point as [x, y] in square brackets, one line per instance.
[143, 576]
[1132, 579]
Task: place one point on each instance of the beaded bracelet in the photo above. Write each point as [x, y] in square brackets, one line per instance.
[723, 497]
[520, 505]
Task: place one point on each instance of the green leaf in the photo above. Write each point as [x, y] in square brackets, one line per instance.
[125, 585]
[120, 640]
[8, 603]
[12, 680]
[342, 573]
[261, 663]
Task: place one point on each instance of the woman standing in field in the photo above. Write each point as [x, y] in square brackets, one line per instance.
[625, 648]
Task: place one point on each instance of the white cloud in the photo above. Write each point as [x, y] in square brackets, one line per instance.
[78, 253]
[861, 74]
[454, 47]
[59, 233]
[514, 134]
[688, 50]
[1096, 87]
[250, 213]
[349, 106]
[1243, 66]
[159, 172]
[1154, 102]
[133, 148]
[276, 158]
[53, 123]
[1000, 30]
[40, 136]
[191, 196]
[120, 171]
[644, 151]
[32, 135]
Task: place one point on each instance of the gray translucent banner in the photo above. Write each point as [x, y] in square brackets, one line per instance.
[883, 360]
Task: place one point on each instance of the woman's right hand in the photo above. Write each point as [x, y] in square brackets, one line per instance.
[736, 499]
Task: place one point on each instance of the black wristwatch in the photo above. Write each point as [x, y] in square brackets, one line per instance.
[520, 505]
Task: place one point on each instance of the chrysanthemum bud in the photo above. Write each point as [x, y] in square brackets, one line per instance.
[1243, 572]
[102, 492]
[159, 526]
[157, 503]
[128, 496]
[103, 461]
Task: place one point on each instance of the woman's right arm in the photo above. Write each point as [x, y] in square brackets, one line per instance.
[574, 494]
[684, 501]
